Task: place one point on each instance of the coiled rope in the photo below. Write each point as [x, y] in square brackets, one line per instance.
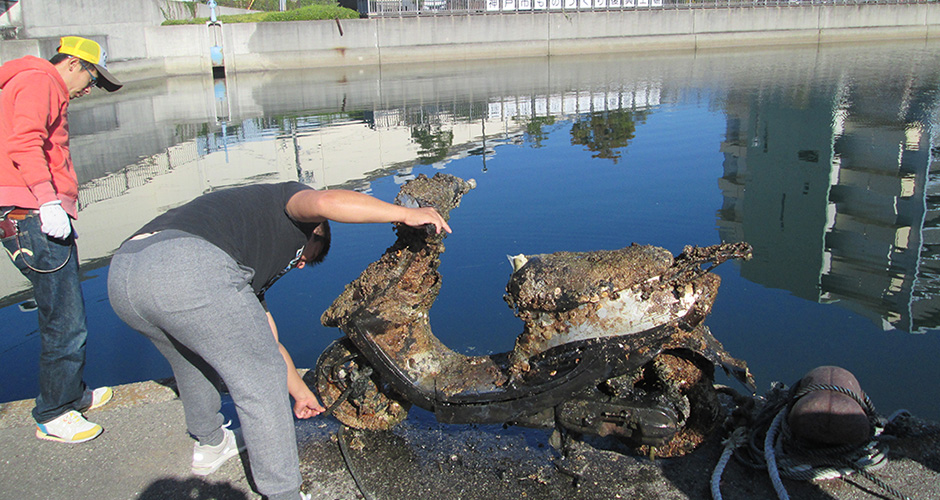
[766, 443]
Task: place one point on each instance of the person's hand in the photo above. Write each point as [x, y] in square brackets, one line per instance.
[55, 222]
[308, 407]
[426, 215]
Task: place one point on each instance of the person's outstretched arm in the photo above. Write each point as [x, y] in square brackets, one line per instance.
[352, 207]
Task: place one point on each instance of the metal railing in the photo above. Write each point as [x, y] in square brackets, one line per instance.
[402, 8]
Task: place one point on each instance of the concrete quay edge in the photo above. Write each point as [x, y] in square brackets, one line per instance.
[145, 453]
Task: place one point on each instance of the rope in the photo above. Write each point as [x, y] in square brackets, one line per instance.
[736, 439]
[766, 443]
[865, 402]
[881, 484]
[770, 456]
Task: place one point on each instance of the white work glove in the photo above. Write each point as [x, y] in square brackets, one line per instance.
[55, 222]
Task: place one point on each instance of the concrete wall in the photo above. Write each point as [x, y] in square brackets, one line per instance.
[264, 46]
[118, 25]
[139, 48]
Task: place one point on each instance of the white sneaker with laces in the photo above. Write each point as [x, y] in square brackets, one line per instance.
[70, 427]
[208, 459]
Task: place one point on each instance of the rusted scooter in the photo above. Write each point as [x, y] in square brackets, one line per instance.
[613, 342]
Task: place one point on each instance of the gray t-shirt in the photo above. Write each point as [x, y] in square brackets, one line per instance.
[249, 223]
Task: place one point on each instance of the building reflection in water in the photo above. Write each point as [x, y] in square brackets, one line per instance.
[164, 145]
[831, 179]
[838, 188]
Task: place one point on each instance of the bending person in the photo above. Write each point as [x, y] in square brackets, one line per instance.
[193, 281]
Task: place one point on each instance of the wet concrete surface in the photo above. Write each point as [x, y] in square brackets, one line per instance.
[145, 453]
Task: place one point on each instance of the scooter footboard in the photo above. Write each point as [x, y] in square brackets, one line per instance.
[462, 389]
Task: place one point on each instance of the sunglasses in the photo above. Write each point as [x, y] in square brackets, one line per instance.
[94, 79]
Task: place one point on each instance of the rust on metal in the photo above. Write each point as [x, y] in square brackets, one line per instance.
[642, 305]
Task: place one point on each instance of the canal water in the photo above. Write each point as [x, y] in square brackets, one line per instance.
[823, 158]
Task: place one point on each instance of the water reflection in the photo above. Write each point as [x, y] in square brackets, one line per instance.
[835, 185]
[166, 143]
[822, 159]
[606, 133]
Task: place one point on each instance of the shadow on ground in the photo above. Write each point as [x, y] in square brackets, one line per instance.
[192, 488]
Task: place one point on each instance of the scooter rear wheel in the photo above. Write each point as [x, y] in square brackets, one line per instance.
[345, 380]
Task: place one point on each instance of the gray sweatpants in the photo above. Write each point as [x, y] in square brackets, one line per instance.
[196, 304]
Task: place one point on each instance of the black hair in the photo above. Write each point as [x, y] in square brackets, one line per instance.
[320, 231]
[58, 57]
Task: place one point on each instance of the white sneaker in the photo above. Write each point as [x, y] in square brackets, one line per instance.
[208, 459]
[305, 496]
[70, 427]
[99, 397]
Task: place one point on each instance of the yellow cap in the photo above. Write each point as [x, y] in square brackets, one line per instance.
[86, 49]
[89, 51]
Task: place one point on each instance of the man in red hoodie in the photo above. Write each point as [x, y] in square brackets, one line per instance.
[38, 199]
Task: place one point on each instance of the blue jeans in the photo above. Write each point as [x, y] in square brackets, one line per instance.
[51, 266]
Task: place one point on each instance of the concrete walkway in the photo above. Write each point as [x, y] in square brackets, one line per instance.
[145, 453]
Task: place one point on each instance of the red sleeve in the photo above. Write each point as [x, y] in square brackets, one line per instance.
[36, 105]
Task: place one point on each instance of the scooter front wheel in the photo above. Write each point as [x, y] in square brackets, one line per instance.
[358, 398]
